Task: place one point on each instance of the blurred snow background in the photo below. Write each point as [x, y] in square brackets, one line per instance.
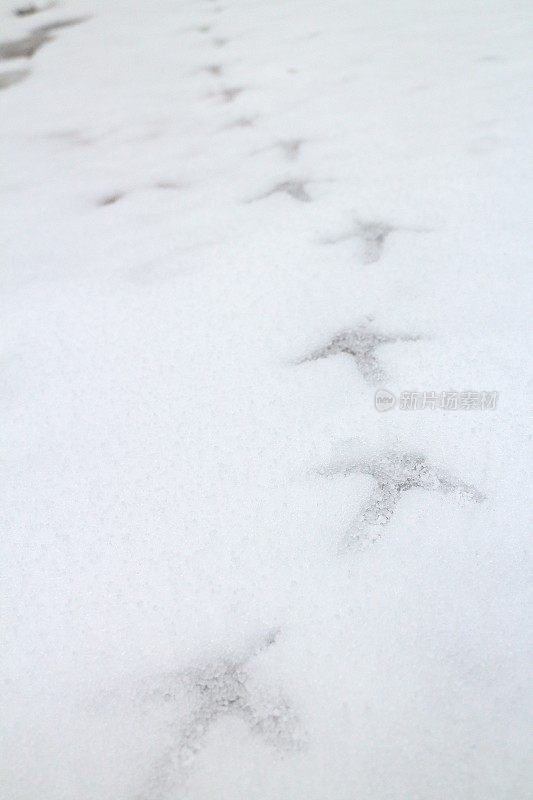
[185, 192]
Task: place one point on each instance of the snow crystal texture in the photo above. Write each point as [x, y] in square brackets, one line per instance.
[225, 225]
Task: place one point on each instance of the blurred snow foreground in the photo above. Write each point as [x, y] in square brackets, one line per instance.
[225, 224]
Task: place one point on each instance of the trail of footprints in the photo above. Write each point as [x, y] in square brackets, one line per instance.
[226, 687]
[222, 688]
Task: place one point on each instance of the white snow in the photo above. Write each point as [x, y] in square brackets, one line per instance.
[178, 617]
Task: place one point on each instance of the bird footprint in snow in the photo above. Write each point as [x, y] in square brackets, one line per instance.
[394, 473]
[361, 344]
[220, 688]
[373, 236]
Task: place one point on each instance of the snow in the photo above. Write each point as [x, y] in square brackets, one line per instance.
[201, 202]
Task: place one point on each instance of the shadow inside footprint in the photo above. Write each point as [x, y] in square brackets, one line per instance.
[230, 94]
[29, 45]
[213, 69]
[60, 24]
[295, 189]
[25, 47]
[241, 122]
[372, 236]
[168, 185]
[26, 11]
[11, 78]
[111, 199]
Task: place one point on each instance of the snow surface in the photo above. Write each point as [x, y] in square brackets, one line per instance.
[201, 203]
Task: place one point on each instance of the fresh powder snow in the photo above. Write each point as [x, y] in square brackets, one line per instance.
[264, 363]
